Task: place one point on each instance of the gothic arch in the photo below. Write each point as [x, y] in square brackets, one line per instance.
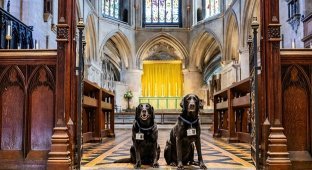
[203, 49]
[90, 36]
[251, 9]
[120, 43]
[163, 39]
[232, 37]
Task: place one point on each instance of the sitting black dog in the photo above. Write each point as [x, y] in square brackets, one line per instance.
[179, 148]
[145, 149]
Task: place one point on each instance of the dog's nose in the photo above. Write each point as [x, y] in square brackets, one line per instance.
[192, 105]
[144, 111]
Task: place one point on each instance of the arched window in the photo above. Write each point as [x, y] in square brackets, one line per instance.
[162, 13]
[110, 8]
[213, 7]
[116, 10]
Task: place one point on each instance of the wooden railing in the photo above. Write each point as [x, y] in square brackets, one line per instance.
[231, 112]
[21, 34]
[97, 113]
[27, 107]
[162, 102]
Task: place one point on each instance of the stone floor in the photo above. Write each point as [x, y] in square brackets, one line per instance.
[216, 153]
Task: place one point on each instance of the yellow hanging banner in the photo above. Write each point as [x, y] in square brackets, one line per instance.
[162, 78]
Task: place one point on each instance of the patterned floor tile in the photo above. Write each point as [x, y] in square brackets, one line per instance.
[216, 153]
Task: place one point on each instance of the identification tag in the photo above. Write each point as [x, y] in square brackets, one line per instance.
[139, 136]
[191, 132]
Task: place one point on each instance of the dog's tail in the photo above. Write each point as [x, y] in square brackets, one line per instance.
[124, 160]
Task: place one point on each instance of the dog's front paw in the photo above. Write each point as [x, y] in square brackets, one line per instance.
[202, 165]
[194, 163]
[173, 164]
[155, 165]
[180, 167]
[137, 165]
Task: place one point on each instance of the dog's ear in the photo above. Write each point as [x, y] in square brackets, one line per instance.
[137, 112]
[182, 103]
[152, 111]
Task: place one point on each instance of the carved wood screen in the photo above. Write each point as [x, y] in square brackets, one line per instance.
[296, 106]
[297, 98]
[27, 104]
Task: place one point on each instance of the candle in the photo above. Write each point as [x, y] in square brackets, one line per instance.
[9, 30]
[293, 44]
[36, 44]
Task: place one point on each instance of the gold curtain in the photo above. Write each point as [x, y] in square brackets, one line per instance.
[162, 78]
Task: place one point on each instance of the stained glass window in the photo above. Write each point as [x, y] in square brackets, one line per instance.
[162, 12]
[212, 7]
[110, 8]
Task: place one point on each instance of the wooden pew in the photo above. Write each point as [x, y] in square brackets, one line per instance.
[97, 113]
[231, 112]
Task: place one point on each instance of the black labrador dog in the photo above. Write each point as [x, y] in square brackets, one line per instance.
[179, 148]
[145, 149]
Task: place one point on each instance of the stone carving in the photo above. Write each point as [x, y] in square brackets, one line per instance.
[162, 51]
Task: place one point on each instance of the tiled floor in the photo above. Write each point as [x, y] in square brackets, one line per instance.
[216, 153]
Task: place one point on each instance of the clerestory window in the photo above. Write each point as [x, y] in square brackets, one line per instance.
[162, 13]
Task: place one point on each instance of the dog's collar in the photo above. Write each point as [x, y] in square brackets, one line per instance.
[188, 122]
[145, 129]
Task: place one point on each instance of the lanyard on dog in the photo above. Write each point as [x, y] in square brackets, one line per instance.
[140, 136]
[191, 131]
[188, 122]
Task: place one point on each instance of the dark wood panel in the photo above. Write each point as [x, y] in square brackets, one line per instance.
[295, 118]
[42, 111]
[12, 111]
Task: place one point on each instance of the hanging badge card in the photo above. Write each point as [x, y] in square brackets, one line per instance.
[139, 136]
[191, 132]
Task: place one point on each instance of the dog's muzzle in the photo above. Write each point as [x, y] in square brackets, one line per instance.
[191, 107]
[144, 115]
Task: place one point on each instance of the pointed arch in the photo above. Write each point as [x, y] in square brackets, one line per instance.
[122, 44]
[251, 9]
[204, 48]
[232, 37]
[146, 50]
[90, 36]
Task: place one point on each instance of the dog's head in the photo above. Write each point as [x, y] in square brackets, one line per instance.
[190, 105]
[145, 114]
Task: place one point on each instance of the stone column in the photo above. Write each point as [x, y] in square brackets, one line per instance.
[132, 78]
[193, 82]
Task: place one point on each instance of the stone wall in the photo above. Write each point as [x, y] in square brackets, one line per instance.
[291, 36]
[136, 36]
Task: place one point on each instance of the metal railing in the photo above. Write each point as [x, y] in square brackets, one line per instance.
[14, 34]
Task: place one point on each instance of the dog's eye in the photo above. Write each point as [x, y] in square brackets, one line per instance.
[141, 105]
